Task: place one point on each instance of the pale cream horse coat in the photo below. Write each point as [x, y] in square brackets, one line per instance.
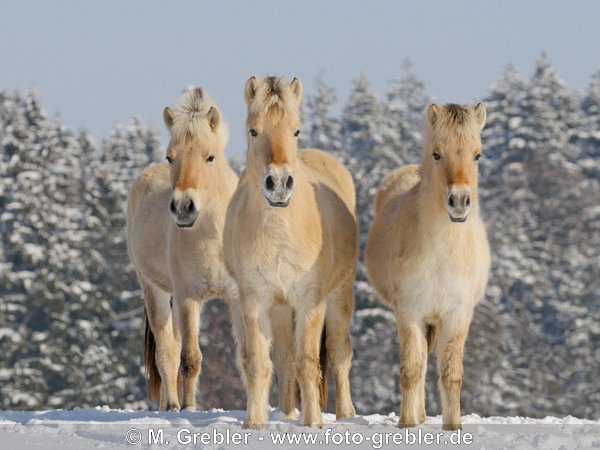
[428, 256]
[291, 244]
[175, 218]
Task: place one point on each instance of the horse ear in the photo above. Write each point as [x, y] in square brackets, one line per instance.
[213, 117]
[480, 114]
[168, 117]
[250, 89]
[296, 86]
[432, 112]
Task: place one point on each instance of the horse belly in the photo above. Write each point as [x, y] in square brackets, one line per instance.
[148, 249]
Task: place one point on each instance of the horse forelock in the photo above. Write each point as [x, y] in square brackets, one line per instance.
[191, 122]
[455, 124]
[274, 100]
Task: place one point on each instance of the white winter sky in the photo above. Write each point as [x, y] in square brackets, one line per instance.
[98, 63]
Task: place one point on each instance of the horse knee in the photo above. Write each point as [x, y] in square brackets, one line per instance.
[451, 375]
[191, 364]
[256, 367]
[410, 374]
[339, 349]
[308, 369]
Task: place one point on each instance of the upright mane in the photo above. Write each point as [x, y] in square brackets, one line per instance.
[274, 97]
[452, 122]
[191, 117]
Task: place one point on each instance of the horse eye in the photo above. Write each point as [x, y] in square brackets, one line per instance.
[169, 159]
[253, 132]
[210, 159]
[477, 156]
[297, 133]
[436, 156]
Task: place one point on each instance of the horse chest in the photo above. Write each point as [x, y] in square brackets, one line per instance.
[282, 275]
[197, 270]
[441, 281]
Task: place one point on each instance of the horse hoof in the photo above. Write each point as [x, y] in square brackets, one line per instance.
[172, 407]
[403, 424]
[345, 413]
[249, 425]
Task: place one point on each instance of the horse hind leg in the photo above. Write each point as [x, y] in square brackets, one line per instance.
[338, 316]
[309, 325]
[284, 357]
[166, 349]
[232, 300]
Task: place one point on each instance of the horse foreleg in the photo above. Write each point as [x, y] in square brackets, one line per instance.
[284, 357]
[449, 352]
[256, 360]
[309, 325]
[339, 349]
[413, 365]
[188, 315]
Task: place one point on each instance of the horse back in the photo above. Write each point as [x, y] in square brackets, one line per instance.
[154, 178]
[147, 222]
[331, 172]
[336, 201]
[397, 183]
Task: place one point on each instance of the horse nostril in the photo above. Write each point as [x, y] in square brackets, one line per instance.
[289, 184]
[172, 207]
[269, 183]
[190, 206]
[468, 200]
[451, 201]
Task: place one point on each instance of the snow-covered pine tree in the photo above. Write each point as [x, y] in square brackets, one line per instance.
[42, 223]
[588, 137]
[404, 112]
[503, 118]
[323, 129]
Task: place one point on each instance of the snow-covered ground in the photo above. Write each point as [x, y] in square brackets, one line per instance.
[102, 427]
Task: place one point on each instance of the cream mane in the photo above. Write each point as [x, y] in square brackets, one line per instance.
[274, 96]
[191, 117]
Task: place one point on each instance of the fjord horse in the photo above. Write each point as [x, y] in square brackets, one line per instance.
[428, 256]
[291, 243]
[175, 218]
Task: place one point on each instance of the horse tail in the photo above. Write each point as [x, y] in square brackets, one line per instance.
[152, 374]
[323, 366]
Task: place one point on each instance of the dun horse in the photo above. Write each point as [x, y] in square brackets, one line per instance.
[291, 244]
[175, 217]
[428, 256]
